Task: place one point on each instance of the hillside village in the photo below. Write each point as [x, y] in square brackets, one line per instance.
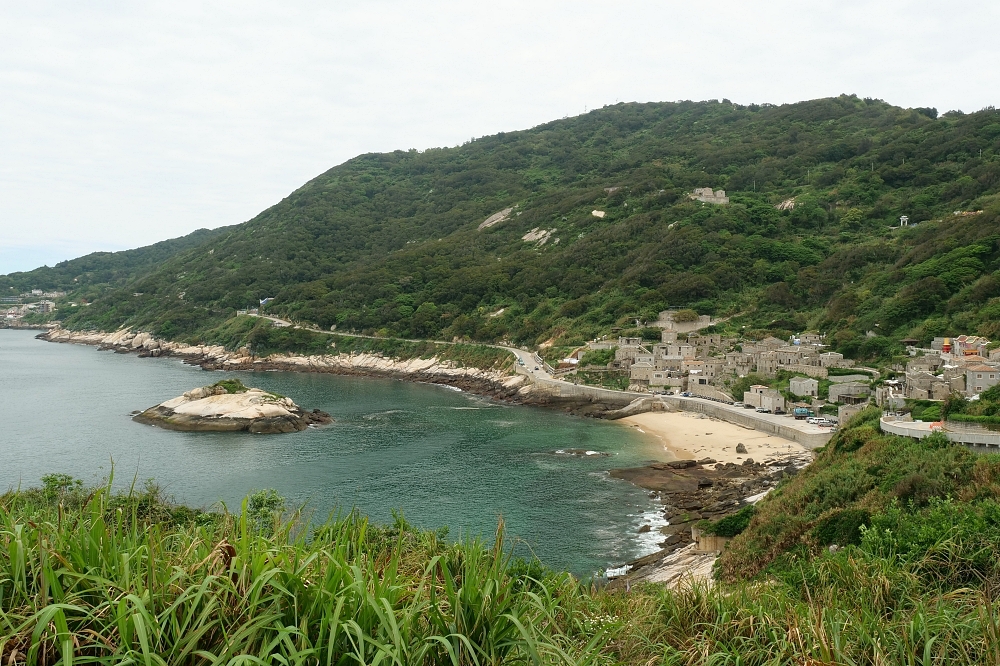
[710, 365]
[36, 301]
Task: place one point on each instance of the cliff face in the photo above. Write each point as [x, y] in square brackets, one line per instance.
[213, 409]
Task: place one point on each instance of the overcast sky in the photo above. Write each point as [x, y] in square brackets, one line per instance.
[124, 123]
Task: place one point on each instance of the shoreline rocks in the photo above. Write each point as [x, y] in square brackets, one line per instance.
[488, 383]
[691, 491]
[221, 408]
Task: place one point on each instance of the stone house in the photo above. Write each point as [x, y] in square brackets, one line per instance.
[804, 386]
[640, 372]
[848, 391]
[771, 343]
[762, 396]
[924, 385]
[846, 412]
[739, 363]
[767, 363]
[706, 195]
[890, 395]
[664, 378]
[835, 360]
[978, 378]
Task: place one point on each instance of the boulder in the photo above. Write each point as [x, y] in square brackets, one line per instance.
[231, 407]
[740, 448]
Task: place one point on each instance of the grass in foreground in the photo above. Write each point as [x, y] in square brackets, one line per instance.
[91, 576]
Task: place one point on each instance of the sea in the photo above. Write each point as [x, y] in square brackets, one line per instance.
[437, 456]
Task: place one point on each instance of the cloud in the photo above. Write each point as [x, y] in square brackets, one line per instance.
[126, 123]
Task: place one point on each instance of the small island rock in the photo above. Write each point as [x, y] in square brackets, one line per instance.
[228, 406]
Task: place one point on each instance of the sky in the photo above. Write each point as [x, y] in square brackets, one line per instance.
[123, 123]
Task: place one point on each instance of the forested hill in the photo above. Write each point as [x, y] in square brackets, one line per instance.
[91, 275]
[391, 243]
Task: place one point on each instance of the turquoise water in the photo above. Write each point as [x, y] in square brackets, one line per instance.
[440, 456]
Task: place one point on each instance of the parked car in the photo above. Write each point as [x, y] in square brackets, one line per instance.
[763, 410]
[738, 404]
[686, 394]
[747, 406]
[536, 367]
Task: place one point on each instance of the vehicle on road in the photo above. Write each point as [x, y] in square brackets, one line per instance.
[536, 367]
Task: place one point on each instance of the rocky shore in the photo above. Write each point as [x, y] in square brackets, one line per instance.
[692, 491]
[232, 408]
[215, 357]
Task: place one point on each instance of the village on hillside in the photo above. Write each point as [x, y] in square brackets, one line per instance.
[799, 372]
[36, 301]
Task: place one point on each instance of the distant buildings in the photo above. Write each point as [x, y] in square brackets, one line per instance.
[952, 365]
[706, 195]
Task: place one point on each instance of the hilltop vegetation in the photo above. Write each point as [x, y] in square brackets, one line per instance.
[390, 244]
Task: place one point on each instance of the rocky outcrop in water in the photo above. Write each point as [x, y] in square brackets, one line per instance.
[223, 409]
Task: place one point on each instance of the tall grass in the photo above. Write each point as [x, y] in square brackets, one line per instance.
[90, 576]
[108, 582]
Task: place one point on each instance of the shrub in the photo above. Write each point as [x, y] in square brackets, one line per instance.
[732, 524]
[231, 385]
[842, 527]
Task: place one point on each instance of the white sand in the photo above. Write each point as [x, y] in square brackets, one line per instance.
[689, 435]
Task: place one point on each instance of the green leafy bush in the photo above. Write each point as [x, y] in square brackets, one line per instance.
[732, 524]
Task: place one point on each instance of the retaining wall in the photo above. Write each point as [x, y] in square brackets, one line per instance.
[751, 419]
[744, 418]
[973, 439]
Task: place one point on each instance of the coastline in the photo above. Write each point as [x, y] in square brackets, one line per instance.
[674, 439]
[489, 383]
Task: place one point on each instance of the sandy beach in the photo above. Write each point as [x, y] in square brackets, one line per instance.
[689, 435]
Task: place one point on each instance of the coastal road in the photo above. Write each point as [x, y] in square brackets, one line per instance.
[527, 361]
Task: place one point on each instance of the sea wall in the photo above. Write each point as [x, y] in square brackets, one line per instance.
[607, 403]
[750, 419]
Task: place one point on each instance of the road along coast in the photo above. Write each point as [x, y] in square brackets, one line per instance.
[490, 383]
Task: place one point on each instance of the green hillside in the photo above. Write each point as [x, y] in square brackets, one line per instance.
[91, 275]
[390, 243]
